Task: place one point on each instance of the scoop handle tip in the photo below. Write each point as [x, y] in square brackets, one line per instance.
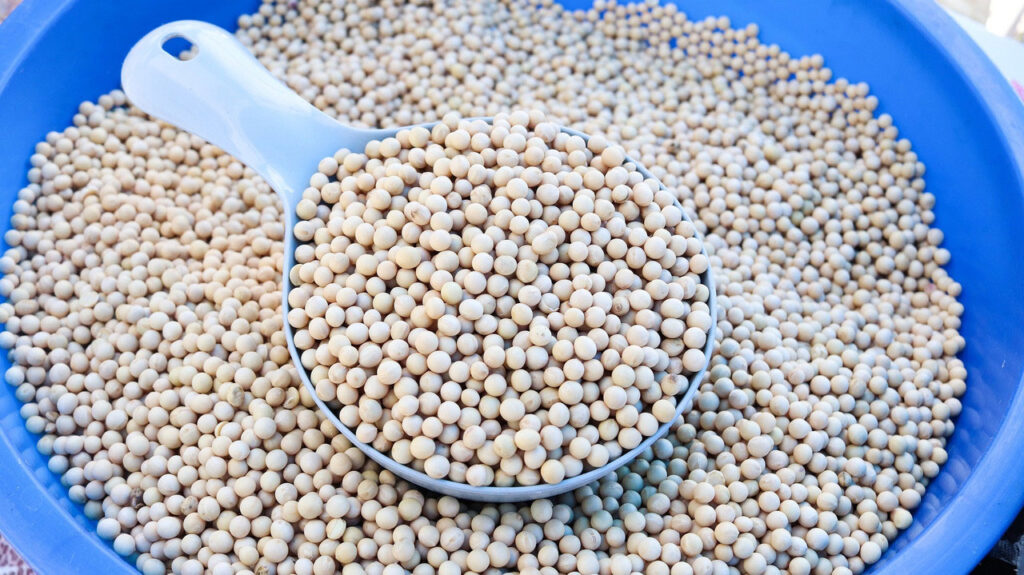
[225, 96]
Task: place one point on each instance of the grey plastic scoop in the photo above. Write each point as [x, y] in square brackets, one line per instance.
[225, 96]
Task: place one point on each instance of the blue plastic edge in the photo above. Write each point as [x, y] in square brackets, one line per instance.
[996, 477]
[32, 519]
[36, 514]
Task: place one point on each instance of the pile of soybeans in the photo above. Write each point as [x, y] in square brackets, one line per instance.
[145, 325]
[498, 302]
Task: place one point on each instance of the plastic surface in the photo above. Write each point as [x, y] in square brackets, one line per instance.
[962, 117]
[224, 95]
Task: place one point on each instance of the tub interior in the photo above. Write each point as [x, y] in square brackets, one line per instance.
[970, 168]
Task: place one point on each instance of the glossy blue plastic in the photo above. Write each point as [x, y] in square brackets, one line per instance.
[964, 121]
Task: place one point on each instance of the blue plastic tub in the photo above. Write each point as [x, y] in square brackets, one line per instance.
[964, 121]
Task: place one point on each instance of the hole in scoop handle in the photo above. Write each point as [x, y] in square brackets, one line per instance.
[225, 96]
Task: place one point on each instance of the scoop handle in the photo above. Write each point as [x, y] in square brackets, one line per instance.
[225, 96]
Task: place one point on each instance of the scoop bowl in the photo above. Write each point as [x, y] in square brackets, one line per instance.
[225, 96]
